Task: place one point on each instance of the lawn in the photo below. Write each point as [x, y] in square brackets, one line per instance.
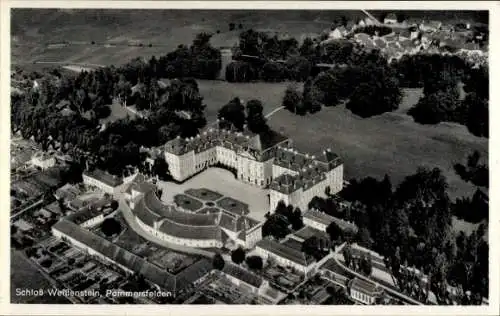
[218, 93]
[118, 112]
[390, 143]
[233, 206]
[387, 144]
[187, 202]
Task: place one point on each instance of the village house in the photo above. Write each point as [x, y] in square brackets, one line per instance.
[364, 292]
[106, 182]
[43, 160]
[391, 18]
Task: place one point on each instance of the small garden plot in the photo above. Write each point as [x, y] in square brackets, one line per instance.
[187, 202]
[173, 262]
[233, 206]
[204, 194]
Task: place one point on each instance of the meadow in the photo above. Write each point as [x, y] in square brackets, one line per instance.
[390, 143]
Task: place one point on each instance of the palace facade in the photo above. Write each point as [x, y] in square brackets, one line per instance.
[266, 160]
[181, 227]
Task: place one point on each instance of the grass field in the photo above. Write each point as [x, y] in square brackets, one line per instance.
[389, 143]
[218, 93]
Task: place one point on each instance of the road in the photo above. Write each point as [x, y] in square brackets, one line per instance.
[37, 203]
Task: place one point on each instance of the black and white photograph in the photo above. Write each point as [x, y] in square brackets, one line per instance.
[224, 156]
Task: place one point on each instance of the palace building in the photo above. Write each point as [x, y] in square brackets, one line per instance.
[266, 160]
[182, 227]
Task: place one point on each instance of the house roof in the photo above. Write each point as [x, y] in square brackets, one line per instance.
[318, 216]
[193, 273]
[67, 192]
[366, 287]
[243, 275]
[391, 16]
[308, 232]
[172, 228]
[332, 266]
[117, 254]
[226, 138]
[308, 169]
[104, 177]
[293, 243]
[285, 252]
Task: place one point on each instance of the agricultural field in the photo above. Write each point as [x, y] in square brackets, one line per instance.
[39, 37]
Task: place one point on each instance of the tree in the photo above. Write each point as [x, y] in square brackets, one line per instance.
[474, 172]
[254, 262]
[114, 205]
[437, 107]
[298, 68]
[335, 232]
[364, 237]
[312, 97]
[277, 226]
[376, 96]
[110, 227]
[238, 255]
[256, 121]
[160, 168]
[366, 264]
[273, 72]
[233, 113]
[477, 114]
[291, 99]
[313, 247]
[240, 71]
[347, 253]
[218, 262]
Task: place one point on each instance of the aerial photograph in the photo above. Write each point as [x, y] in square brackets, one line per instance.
[255, 157]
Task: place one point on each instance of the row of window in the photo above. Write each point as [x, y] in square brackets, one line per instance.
[361, 296]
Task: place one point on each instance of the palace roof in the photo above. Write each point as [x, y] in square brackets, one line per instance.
[366, 287]
[243, 275]
[104, 177]
[225, 138]
[285, 252]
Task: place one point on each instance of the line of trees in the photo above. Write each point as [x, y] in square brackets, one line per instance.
[441, 77]
[475, 172]
[36, 114]
[282, 222]
[412, 226]
[236, 115]
[368, 87]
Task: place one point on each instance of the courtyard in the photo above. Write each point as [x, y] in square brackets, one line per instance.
[220, 183]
